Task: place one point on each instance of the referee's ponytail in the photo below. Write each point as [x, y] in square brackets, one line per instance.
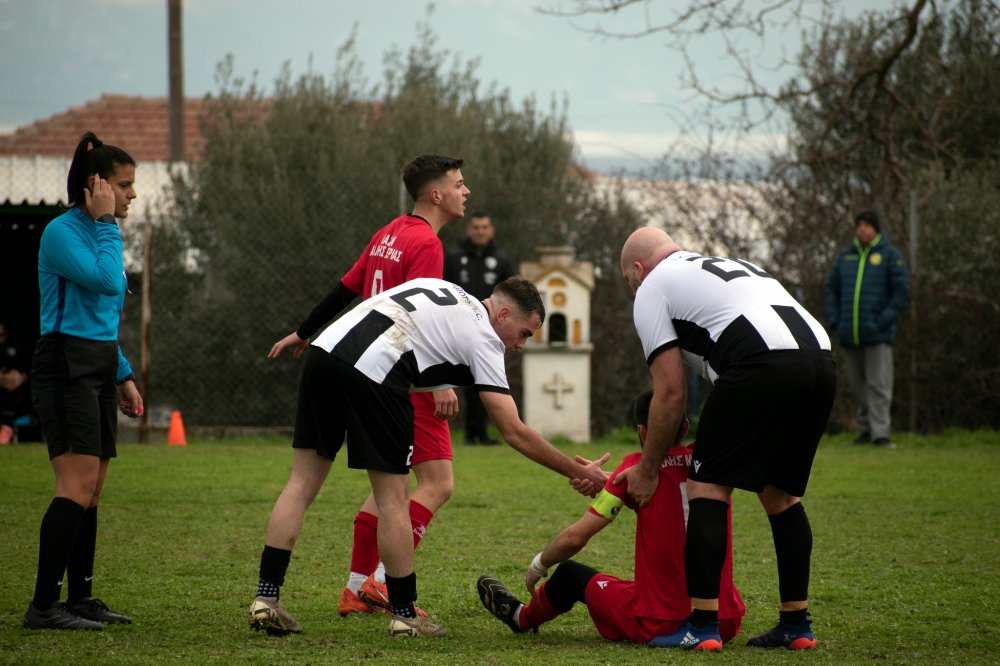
[92, 156]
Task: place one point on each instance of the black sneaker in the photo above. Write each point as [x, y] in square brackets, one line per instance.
[884, 443]
[498, 600]
[57, 617]
[862, 439]
[94, 609]
[489, 441]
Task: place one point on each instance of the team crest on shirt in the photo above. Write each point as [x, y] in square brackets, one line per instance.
[875, 259]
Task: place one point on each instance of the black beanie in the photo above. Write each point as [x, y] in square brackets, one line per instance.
[869, 216]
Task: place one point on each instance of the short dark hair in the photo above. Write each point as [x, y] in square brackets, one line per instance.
[425, 168]
[92, 156]
[478, 213]
[524, 294]
[640, 415]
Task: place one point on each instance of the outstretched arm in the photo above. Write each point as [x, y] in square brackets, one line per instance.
[565, 545]
[530, 444]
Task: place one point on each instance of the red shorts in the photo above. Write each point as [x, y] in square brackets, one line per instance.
[431, 436]
[610, 607]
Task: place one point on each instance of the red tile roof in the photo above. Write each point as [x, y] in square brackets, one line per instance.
[139, 125]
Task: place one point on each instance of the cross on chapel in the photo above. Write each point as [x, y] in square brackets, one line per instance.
[558, 386]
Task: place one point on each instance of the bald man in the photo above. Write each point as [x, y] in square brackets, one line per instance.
[773, 382]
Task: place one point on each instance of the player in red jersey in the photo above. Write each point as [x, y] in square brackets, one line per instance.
[405, 249]
[656, 602]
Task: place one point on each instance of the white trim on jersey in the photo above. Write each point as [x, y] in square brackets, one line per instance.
[423, 335]
[719, 311]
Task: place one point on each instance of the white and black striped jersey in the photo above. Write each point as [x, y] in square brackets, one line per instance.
[424, 335]
[719, 311]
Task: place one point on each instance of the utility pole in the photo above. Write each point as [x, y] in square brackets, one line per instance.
[175, 45]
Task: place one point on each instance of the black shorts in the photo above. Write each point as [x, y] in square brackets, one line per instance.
[763, 421]
[335, 401]
[74, 393]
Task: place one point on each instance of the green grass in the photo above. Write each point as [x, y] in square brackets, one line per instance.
[905, 565]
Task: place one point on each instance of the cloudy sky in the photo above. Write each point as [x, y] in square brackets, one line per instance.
[626, 105]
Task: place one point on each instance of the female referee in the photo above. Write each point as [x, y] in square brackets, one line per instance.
[79, 377]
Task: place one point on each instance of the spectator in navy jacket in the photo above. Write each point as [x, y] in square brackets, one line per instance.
[867, 291]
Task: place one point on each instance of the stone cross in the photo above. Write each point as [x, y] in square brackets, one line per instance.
[558, 386]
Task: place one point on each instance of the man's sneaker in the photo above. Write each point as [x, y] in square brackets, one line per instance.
[376, 596]
[792, 636]
[272, 617]
[352, 603]
[498, 600]
[862, 439]
[690, 637]
[96, 610]
[57, 617]
[884, 443]
[413, 627]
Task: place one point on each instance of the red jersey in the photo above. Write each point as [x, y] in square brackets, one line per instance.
[660, 591]
[402, 250]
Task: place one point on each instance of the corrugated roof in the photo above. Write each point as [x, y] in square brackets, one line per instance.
[139, 125]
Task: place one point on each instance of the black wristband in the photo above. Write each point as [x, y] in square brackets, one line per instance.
[107, 218]
[130, 378]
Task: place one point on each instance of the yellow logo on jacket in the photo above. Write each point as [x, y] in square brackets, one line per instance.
[875, 259]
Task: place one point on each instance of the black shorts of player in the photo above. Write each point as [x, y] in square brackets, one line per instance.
[335, 401]
[74, 393]
[763, 421]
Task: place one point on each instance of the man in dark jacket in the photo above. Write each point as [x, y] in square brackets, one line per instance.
[867, 290]
[477, 265]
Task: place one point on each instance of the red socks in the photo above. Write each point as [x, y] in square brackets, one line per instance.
[364, 555]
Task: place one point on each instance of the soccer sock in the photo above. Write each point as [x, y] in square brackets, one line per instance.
[705, 549]
[80, 568]
[793, 617]
[420, 518]
[793, 547]
[538, 610]
[55, 543]
[364, 553]
[273, 566]
[402, 594]
[703, 618]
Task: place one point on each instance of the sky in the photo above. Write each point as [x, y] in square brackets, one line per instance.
[626, 105]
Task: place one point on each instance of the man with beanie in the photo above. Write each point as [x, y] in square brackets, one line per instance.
[867, 290]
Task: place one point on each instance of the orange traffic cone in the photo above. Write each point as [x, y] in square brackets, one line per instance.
[175, 436]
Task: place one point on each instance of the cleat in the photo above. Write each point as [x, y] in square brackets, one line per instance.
[57, 617]
[376, 596]
[96, 610]
[272, 617]
[352, 603]
[690, 637]
[792, 636]
[498, 600]
[414, 627]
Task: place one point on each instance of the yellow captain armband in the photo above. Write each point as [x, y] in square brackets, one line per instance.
[606, 505]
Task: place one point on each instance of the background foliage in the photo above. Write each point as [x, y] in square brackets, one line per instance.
[894, 111]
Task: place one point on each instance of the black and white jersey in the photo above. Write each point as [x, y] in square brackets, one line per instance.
[719, 311]
[423, 335]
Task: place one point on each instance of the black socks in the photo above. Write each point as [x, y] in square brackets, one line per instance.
[80, 568]
[793, 547]
[273, 566]
[402, 594]
[56, 541]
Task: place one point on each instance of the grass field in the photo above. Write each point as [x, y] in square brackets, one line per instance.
[905, 566]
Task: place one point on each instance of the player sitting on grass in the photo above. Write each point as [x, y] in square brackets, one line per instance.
[656, 602]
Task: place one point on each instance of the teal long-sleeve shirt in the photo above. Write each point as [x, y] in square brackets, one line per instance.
[82, 280]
